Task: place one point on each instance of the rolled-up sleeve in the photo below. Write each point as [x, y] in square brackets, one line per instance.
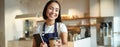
[63, 28]
[37, 29]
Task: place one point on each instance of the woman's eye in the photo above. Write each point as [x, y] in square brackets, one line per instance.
[51, 8]
[56, 10]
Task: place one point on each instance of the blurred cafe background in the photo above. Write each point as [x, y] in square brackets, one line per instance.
[90, 23]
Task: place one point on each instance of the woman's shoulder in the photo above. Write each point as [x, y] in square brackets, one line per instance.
[62, 27]
[38, 28]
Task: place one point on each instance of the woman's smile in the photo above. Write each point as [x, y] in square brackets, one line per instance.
[52, 15]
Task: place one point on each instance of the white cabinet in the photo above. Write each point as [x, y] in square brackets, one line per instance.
[93, 30]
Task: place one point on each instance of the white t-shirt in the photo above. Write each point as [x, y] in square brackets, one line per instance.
[50, 28]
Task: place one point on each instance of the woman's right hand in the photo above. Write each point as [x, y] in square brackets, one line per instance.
[43, 44]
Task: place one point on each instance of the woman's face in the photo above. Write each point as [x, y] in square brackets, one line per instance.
[52, 11]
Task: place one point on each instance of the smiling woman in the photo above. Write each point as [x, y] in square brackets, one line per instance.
[52, 27]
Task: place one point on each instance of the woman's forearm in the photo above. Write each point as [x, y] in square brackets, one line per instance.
[64, 39]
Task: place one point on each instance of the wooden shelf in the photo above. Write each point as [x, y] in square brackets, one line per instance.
[82, 25]
[73, 29]
[89, 25]
[66, 19]
[79, 18]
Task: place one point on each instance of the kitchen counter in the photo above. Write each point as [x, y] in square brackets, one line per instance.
[20, 43]
[70, 44]
[27, 43]
[86, 42]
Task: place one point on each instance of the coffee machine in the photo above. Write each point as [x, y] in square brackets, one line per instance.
[105, 34]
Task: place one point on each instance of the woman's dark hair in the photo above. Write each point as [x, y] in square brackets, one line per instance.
[58, 19]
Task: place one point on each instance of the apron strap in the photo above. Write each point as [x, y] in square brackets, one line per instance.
[47, 36]
[55, 29]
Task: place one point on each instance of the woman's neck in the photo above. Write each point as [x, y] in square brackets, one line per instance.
[50, 22]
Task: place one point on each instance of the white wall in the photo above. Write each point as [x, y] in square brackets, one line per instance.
[94, 8]
[79, 5]
[117, 24]
[107, 8]
[104, 9]
[12, 8]
[2, 24]
[71, 22]
[34, 6]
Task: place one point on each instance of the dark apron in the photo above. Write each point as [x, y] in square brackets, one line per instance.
[47, 36]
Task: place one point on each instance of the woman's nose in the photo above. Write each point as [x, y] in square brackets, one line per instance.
[53, 11]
